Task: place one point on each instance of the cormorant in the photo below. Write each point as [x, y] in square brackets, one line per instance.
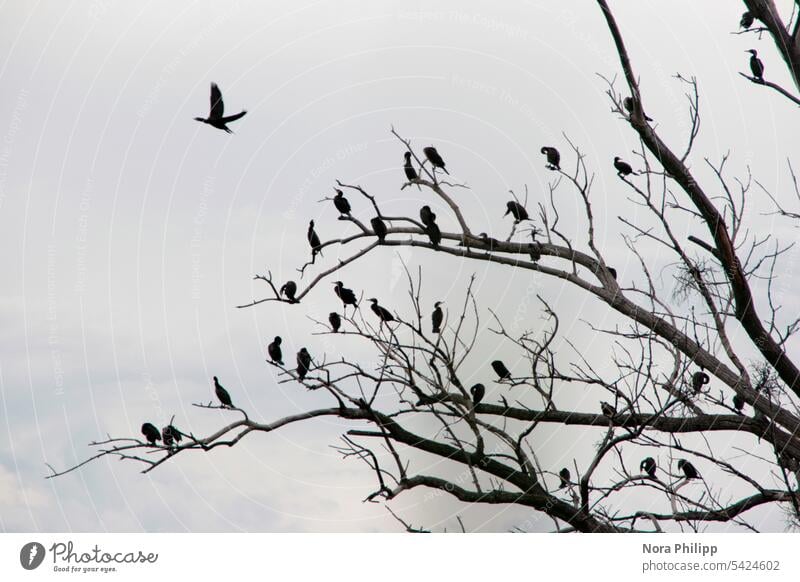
[478, 391]
[613, 272]
[274, 350]
[151, 433]
[501, 370]
[437, 317]
[623, 168]
[381, 312]
[688, 469]
[303, 363]
[217, 111]
[171, 435]
[335, 321]
[699, 379]
[433, 232]
[435, 159]
[426, 216]
[346, 295]
[756, 66]
[628, 104]
[648, 465]
[747, 20]
[222, 394]
[313, 239]
[408, 168]
[607, 409]
[341, 203]
[738, 402]
[517, 210]
[565, 477]
[379, 228]
[290, 289]
[488, 241]
[553, 158]
[534, 252]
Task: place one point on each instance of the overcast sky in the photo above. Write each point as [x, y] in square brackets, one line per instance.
[130, 232]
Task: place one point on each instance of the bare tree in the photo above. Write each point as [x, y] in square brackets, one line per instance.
[693, 366]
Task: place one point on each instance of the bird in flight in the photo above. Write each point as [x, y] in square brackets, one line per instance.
[216, 115]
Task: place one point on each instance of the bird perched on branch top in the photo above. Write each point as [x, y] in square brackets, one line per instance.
[738, 402]
[335, 321]
[409, 169]
[433, 232]
[222, 394]
[426, 215]
[313, 239]
[290, 290]
[216, 113]
[274, 350]
[501, 370]
[517, 210]
[756, 66]
[553, 158]
[699, 379]
[437, 317]
[151, 433]
[346, 295]
[648, 465]
[623, 168]
[628, 104]
[478, 391]
[382, 313]
[688, 469]
[303, 363]
[171, 435]
[435, 159]
[379, 228]
[607, 409]
[747, 20]
[564, 475]
[341, 203]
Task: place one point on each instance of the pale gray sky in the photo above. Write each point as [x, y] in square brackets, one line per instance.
[131, 231]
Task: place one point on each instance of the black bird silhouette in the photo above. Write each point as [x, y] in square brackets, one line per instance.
[274, 350]
[435, 159]
[216, 113]
[564, 475]
[756, 66]
[747, 20]
[346, 295]
[628, 103]
[478, 391]
[433, 232]
[341, 203]
[623, 168]
[335, 321]
[534, 251]
[379, 228]
[437, 317]
[648, 465]
[313, 239]
[613, 272]
[688, 469]
[381, 312]
[408, 168]
[426, 216]
[222, 394]
[290, 289]
[501, 370]
[488, 241]
[607, 409]
[738, 402]
[151, 433]
[517, 210]
[171, 435]
[699, 379]
[303, 363]
[553, 158]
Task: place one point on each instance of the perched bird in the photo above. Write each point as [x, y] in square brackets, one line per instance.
[699, 379]
[274, 350]
[303, 363]
[648, 465]
[688, 469]
[408, 168]
[435, 159]
[488, 241]
[437, 317]
[313, 239]
[613, 272]
[478, 391]
[341, 203]
[216, 113]
[607, 409]
[171, 435]
[501, 370]
[379, 228]
[756, 66]
[151, 433]
[382, 313]
[534, 251]
[553, 158]
[290, 290]
[628, 103]
[517, 210]
[747, 20]
[426, 216]
[433, 232]
[335, 321]
[346, 295]
[565, 477]
[222, 394]
[738, 402]
[623, 168]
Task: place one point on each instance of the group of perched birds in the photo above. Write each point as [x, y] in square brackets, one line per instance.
[647, 466]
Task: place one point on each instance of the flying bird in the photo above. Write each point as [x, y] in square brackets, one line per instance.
[426, 216]
[501, 370]
[313, 239]
[379, 228]
[290, 289]
[564, 475]
[517, 210]
[408, 168]
[303, 363]
[648, 465]
[756, 66]
[341, 203]
[699, 379]
[553, 158]
[435, 159]
[222, 394]
[688, 469]
[747, 20]
[382, 313]
[628, 103]
[335, 321]
[478, 391]
[274, 350]
[346, 295]
[216, 113]
[151, 433]
[437, 317]
[623, 168]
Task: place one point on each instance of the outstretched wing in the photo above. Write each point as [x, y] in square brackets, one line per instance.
[217, 106]
[232, 117]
